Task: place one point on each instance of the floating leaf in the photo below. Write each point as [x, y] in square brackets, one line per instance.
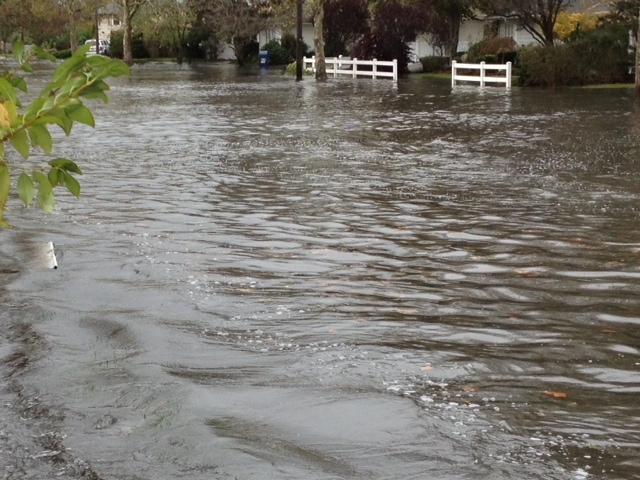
[555, 394]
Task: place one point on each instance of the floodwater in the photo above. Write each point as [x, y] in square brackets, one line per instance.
[266, 279]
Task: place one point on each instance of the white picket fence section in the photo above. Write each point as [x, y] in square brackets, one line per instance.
[482, 78]
[341, 66]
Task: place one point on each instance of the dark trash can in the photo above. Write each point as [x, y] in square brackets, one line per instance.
[264, 59]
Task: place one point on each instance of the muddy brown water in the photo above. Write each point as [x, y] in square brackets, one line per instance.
[266, 279]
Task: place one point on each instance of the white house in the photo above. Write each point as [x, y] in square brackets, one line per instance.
[109, 19]
[474, 30]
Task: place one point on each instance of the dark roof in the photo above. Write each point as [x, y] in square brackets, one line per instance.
[589, 6]
[110, 10]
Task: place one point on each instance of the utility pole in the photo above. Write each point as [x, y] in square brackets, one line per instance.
[299, 40]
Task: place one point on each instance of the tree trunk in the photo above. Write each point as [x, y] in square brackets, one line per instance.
[321, 66]
[638, 57]
[454, 35]
[73, 37]
[127, 54]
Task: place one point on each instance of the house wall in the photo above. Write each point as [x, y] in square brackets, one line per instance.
[106, 25]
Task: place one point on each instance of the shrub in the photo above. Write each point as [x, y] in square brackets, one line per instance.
[598, 56]
[493, 50]
[277, 54]
[61, 54]
[434, 64]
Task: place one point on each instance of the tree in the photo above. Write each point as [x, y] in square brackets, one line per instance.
[60, 103]
[343, 23]
[538, 17]
[129, 10]
[318, 40]
[167, 22]
[236, 22]
[445, 21]
[394, 25]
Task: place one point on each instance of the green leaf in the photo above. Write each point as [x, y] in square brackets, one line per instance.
[25, 67]
[65, 164]
[33, 109]
[26, 190]
[72, 64]
[20, 141]
[40, 137]
[80, 114]
[18, 51]
[46, 199]
[72, 184]
[5, 186]
[56, 176]
[42, 54]
[19, 83]
[7, 92]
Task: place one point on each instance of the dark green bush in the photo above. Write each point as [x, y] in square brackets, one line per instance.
[66, 53]
[277, 54]
[599, 56]
[434, 64]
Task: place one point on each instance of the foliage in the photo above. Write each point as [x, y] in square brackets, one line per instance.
[165, 24]
[61, 54]
[536, 17]
[277, 54]
[434, 64]
[599, 56]
[394, 26]
[138, 47]
[444, 20]
[493, 50]
[569, 25]
[290, 44]
[60, 103]
[34, 20]
[344, 22]
[291, 70]
[236, 22]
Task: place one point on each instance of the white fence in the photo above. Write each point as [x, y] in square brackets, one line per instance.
[482, 78]
[340, 66]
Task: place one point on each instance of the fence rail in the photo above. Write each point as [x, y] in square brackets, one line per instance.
[482, 77]
[341, 66]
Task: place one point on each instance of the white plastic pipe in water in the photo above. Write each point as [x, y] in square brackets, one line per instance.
[50, 256]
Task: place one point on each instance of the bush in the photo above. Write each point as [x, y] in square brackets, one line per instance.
[61, 54]
[277, 54]
[434, 64]
[599, 56]
[493, 50]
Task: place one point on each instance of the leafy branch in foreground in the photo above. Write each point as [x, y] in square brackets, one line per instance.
[81, 77]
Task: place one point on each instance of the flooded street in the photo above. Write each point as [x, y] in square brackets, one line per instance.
[266, 279]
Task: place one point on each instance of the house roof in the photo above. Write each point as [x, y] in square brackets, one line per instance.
[589, 6]
[110, 10]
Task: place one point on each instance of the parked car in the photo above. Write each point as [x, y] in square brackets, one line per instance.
[103, 49]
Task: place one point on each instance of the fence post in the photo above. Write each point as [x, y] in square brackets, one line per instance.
[375, 68]
[508, 74]
[482, 74]
[453, 73]
[355, 67]
[395, 69]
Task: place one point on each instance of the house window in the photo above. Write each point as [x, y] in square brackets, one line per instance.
[507, 30]
[116, 22]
